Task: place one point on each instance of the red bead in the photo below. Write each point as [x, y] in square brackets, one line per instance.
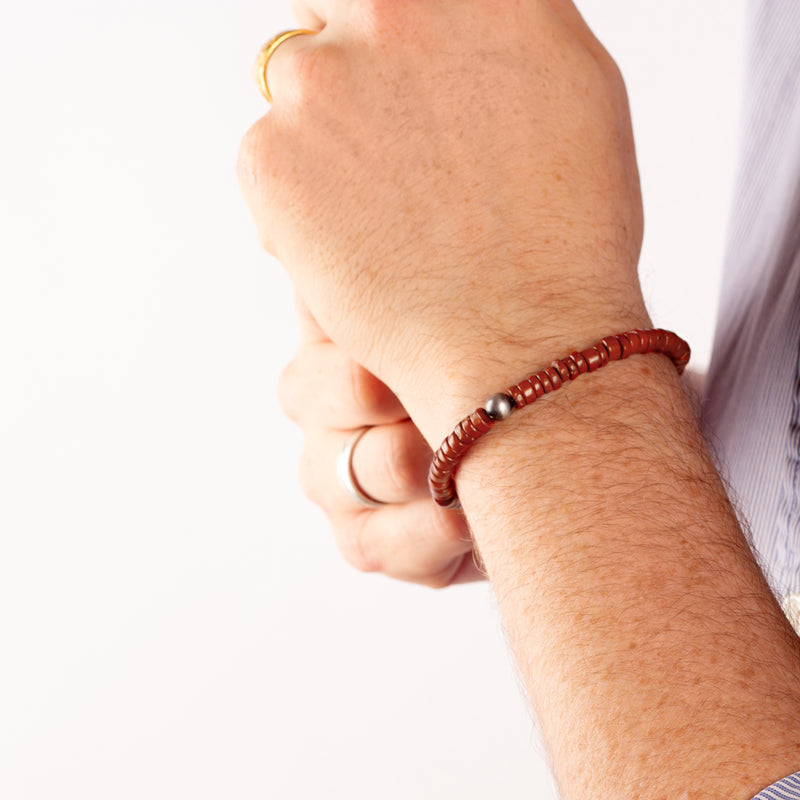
[555, 377]
[613, 347]
[648, 340]
[562, 369]
[581, 362]
[639, 344]
[572, 366]
[528, 394]
[660, 341]
[593, 359]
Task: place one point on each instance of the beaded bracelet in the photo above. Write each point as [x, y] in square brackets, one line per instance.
[500, 406]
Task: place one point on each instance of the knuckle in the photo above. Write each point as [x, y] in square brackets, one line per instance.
[287, 391]
[440, 580]
[308, 477]
[610, 75]
[400, 465]
[316, 71]
[613, 72]
[354, 544]
[449, 527]
[250, 160]
[255, 171]
[367, 393]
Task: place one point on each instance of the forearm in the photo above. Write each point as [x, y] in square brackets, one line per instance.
[654, 655]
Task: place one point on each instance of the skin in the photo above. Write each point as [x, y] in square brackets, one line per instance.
[457, 202]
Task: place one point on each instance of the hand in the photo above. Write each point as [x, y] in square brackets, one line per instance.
[453, 189]
[410, 538]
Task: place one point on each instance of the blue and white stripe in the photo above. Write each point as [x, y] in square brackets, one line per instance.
[752, 401]
[787, 789]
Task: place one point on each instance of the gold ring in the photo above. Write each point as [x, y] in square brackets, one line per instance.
[265, 54]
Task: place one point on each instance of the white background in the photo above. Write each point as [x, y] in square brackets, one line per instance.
[174, 619]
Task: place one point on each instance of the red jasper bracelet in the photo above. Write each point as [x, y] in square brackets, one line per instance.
[501, 406]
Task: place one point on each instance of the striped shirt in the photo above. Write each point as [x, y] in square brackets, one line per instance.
[787, 789]
[752, 401]
[752, 394]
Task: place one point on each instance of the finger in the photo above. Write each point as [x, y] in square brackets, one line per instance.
[390, 463]
[418, 542]
[323, 387]
[309, 14]
[281, 67]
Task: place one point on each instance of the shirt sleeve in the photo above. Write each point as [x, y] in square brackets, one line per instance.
[787, 789]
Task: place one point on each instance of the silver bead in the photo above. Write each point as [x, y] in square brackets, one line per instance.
[499, 406]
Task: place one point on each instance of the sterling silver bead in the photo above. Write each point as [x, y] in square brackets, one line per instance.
[499, 406]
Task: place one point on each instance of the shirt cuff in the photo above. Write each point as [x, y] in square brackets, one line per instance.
[787, 789]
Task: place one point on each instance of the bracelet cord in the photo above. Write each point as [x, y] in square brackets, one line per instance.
[613, 348]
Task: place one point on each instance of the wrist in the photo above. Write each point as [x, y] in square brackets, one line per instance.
[453, 386]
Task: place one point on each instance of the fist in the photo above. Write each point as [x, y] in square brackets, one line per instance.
[408, 537]
[453, 189]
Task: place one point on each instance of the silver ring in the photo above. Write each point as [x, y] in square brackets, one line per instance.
[346, 476]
